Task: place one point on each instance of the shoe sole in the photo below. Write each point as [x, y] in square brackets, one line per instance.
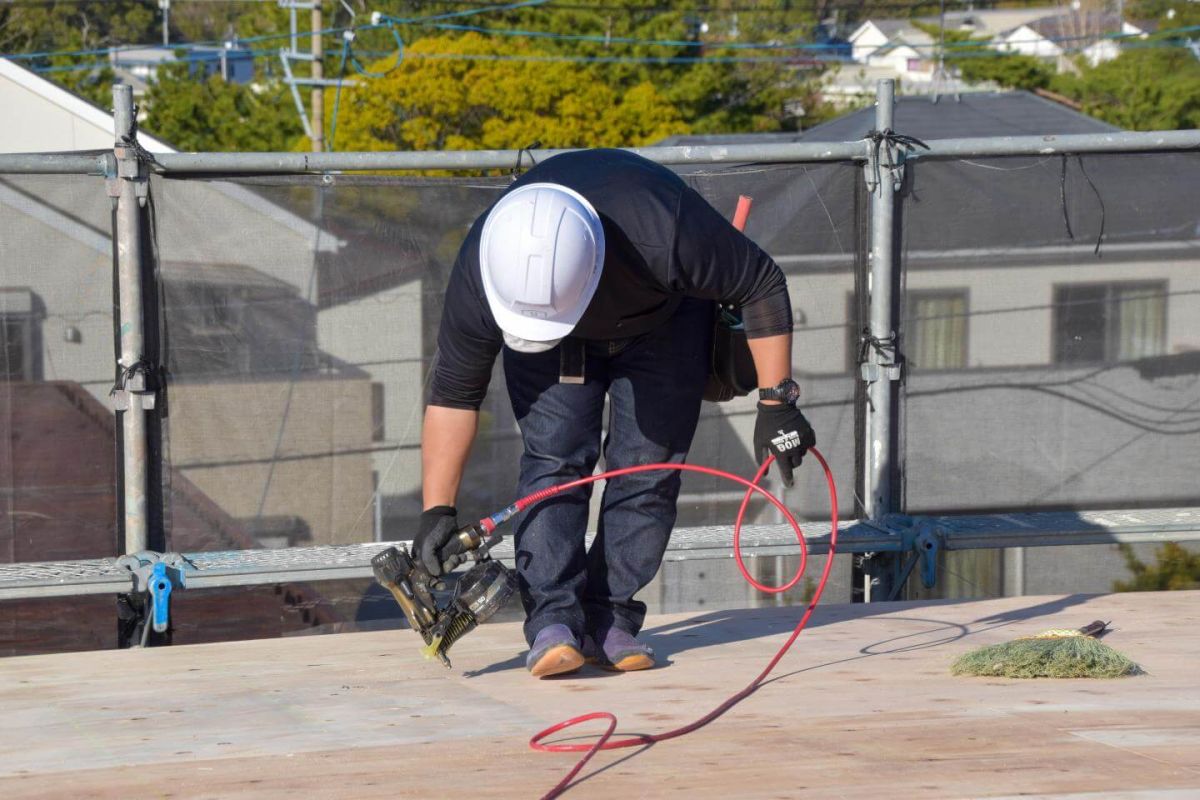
[557, 661]
[631, 663]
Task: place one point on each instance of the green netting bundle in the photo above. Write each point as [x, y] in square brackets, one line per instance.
[1053, 654]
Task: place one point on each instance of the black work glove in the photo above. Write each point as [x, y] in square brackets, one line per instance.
[438, 526]
[782, 431]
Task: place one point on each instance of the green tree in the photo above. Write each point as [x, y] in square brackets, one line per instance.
[1009, 70]
[471, 92]
[715, 84]
[1176, 568]
[1142, 89]
[1169, 14]
[91, 25]
[211, 114]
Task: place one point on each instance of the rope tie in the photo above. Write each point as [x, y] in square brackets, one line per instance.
[130, 140]
[883, 346]
[142, 367]
[529, 148]
[896, 142]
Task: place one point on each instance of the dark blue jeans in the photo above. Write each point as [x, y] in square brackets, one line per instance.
[654, 384]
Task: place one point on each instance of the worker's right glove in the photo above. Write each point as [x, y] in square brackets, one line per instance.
[782, 431]
[437, 527]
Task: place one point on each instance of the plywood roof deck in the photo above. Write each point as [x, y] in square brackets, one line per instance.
[863, 706]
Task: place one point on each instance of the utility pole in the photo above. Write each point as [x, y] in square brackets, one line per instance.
[314, 130]
[165, 5]
[318, 74]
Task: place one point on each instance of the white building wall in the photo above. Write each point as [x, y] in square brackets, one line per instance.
[215, 223]
[1014, 338]
[44, 118]
[1010, 309]
[381, 335]
[68, 267]
[1027, 41]
[866, 40]
[1101, 51]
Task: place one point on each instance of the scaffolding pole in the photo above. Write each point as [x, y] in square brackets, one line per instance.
[130, 195]
[880, 372]
[799, 152]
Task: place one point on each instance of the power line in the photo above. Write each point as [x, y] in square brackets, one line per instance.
[745, 9]
[1163, 39]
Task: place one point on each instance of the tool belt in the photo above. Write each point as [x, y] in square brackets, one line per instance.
[731, 371]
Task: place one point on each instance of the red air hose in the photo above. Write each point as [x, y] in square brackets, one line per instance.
[605, 741]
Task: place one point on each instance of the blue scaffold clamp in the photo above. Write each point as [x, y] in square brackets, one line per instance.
[156, 575]
[928, 544]
[923, 539]
[160, 596]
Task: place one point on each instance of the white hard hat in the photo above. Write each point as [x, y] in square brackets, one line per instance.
[541, 254]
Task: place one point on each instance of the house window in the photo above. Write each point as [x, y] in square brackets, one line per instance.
[1106, 322]
[935, 329]
[378, 412]
[17, 328]
[14, 348]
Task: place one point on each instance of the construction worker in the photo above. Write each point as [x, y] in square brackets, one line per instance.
[596, 274]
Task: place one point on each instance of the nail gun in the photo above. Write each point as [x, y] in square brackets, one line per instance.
[481, 591]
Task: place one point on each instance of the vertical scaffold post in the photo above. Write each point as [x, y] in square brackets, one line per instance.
[131, 395]
[880, 371]
[877, 498]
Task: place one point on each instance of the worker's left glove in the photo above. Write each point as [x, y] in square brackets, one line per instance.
[782, 431]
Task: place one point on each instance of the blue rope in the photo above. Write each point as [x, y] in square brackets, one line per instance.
[361, 70]
[337, 97]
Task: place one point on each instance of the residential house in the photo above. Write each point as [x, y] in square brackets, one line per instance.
[1050, 329]
[1059, 37]
[228, 481]
[138, 66]
[899, 49]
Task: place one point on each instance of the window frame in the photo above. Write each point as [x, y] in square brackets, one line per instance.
[1110, 344]
[936, 292]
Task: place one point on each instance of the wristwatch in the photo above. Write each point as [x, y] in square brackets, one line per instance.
[787, 391]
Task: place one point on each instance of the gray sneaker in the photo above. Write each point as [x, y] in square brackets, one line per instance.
[555, 651]
[617, 650]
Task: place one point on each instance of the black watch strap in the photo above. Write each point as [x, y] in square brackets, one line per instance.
[786, 391]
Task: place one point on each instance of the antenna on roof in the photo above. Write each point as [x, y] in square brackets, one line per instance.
[940, 74]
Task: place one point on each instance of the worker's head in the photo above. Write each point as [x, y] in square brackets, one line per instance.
[541, 254]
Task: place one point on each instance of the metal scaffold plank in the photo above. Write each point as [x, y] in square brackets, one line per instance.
[340, 562]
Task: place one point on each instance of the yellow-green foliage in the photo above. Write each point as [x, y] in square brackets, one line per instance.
[432, 102]
[1176, 569]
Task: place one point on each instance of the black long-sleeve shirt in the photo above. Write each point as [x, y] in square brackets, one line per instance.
[662, 242]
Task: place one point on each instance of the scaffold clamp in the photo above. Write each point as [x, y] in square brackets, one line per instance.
[156, 575]
[928, 544]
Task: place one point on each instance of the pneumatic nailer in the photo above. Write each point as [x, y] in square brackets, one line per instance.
[480, 592]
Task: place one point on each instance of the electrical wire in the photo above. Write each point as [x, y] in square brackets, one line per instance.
[606, 742]
[955, 49]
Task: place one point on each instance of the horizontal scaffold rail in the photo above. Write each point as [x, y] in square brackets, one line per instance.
[795, 152]
[257, 567]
